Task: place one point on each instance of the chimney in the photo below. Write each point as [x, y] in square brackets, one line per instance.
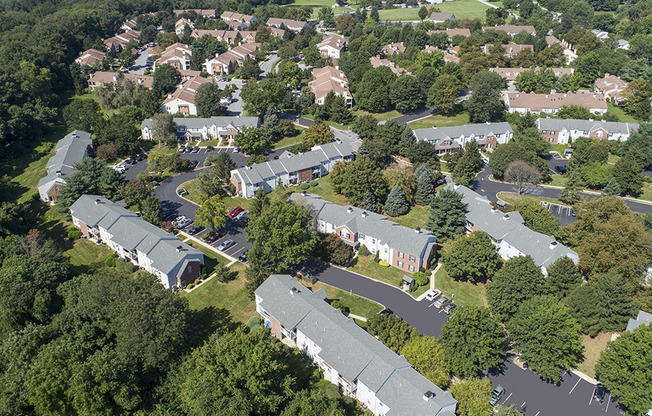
[506, 217]
[349, 210]
[553, 245]
[428, 395]
[305, 193]
[59, 173]
[417, 230]
[364, 214]
[115, 78]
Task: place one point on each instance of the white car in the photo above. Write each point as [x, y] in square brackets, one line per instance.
[433, 295]
[241, 215]
[120, 169]
[184, 222]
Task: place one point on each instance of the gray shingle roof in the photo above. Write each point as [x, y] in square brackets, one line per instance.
[349, 349]
[75, 146]
[556, 124]
[219, 121]
[643, 318]
[132, 232]
[375, 225]
[543, 249]
[438, 134]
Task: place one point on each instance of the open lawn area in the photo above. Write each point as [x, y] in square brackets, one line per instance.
[440, 121]
[592, 349]
[88, 254]
[466, 8]
[211, 258]
[622, 117]
[417, 217]
[194, 194]
[291, 140]
[387, 115]
[357, 305]
[366, 265]
[558, 180]
[466, 294]
[231, 296]
[512, 198]
[559, 148]
[325, 190]
[647, 192]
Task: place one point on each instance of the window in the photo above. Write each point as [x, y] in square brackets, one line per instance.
[411, 268]
[413, 259]
[399, 264]
[360, 236]
[401, 254]
[345, 234]
[373, 241]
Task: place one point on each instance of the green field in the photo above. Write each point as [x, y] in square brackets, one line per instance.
[512, 198]
[88, 254]
[622, 117]
[466, 294]
[558, 180]
[211, 258]
[440, 121]
[415, 218]
[387, 115]
[357, 305]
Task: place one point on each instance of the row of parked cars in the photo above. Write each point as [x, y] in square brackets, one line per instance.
[441, 302]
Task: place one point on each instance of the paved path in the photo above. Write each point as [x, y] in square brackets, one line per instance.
[302, 121]
[267, 65]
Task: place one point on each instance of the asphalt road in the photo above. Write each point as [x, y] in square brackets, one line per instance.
[267, 65]
[406, 118]
[305, 122]
[140, 62]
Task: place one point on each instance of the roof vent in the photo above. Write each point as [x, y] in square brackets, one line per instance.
[179, 249]
[553, 245]
[293, 291]
[98, 202]
[494, 209]
[428, 395]
[417, 230]
[364, 214]
[506, 217]
[349, 209]
[59, 173]
[305, 193]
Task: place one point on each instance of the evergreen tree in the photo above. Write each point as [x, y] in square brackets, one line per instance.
[612, 188]
[369, 202]
[468, 165]
[447, 214]
[406, 142]
[584, 305]
[152, 211]
[396, 204]
[563, 277]
[574, 185]
[616, 302]
[425, 186]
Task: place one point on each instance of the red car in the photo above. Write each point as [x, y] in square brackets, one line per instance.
[235, 211]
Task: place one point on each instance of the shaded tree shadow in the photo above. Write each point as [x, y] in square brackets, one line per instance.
[205, 322]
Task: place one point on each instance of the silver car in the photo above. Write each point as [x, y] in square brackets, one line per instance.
[441, 302]
[226, 244]
[433, 295]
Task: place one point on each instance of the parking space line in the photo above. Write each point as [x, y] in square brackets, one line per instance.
[237, 251]
[578, 382]
[591, 398]
[523, 404]
[608, 400]
[507, 398]
[538, 413]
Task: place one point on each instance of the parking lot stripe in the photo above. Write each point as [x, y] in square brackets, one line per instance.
[507, 398]
[608, 400]
[578, 382]
[523, 404]
[538, 413]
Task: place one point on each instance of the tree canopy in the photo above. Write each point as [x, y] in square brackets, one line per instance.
[447, 214]
[472, 257]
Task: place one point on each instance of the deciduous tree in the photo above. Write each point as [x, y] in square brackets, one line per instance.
[472, 397]
[318, 133]
[207, 99]
[428, 357]
[211, 213]
[523, 175]
[472, 257]
[362, 176]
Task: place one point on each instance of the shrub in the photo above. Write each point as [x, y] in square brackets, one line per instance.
[420, 278]
[123, 265]
[363, 251]
[110, 259]
[333, 250]
[337, 304]
[190, 285]
[197, 282]
[304, 186]
[314, 183]
[383, 263]
[74, 233]
[224, 275]
[232, 189]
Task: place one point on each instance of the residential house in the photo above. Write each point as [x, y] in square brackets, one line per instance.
[70, 150]
[178, 55]
[194, 129]
[570, 54]
[230, 60]
[329, 79]
[448, 57]
[487, 135]
[180, 26]
[99, 78]
[352, 359]
[332, 46]
[600, 34]
[405, 248]
[290, 169]
[182, 100]
[551, 103]
[622, 44]
[453, 32]
[117, 43]
[90, 57]
[293, 25]
[510, 74]
[162, 254]
[643, 318]
[393, 49]
[565, 131]
[511, 49]
[378, 62]
[206, 13]
[228, 36]
[129, 25]
[155, 51]
[438, 17]
[238, 20]
[508, 232]
[612, 87]
[512, 30]
[275, 31]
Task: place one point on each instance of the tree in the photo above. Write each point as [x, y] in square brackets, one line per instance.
[392, 331]
[510, 410]
[640, 143]
[531, 329]
[106, 152]
[404, 178]
[362, 176]
[537, 217]
[396, 204]
[468, 165]
[333, 249]
[616, 301]
[249, 69]
[326, 17]
[373, 93]
[336, 175]
[636, 93]
[230, 365]
[423, 12]
[251, 140]
[504, 154]
[485, 103]
[612, 188]
[584, 304]
[134, 192]
[406, 94]
[151, 210]
[318, 133]
[625, 368]
[209, 181]
[259, 96]
[472, 257]
[472, 397]
[425, 186]
[259, 203]
[365, 125]
[443, 93]
[609, 237]
[82, 115]
[314, 402]
[166, 79]
[516, 282]
[563, 277]
[627, 172]
[207, 99]
[474, 342]
[164, 129]
[345, 23]
[211, 213]
[571, 192]
[428, 357]
[523, 175]
[447, 214]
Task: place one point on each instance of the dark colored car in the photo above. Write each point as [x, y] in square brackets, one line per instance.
[386, 311]
[561, 169]
[599, 394]
[195, 149]
[171, 217]
[243, 257]
[212, 237]
[194, 163]
[496, 394]
[209, 148]
[182, 149]
[235, 211]
[195, 230]
[142, 156]
[450, 308]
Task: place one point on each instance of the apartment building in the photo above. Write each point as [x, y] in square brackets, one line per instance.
[512, 30]
[453, 32]
[178, 55]
[487, 135]
[117, 43]
[100, 78]
[193, 129]
[511, 49]
[332, 46]
[229, 61]
[510, 74]
[378, 62]
[182, 100]
[228, 36]
[90, 57]
[329, 79]
[612, 87]
[565, 131]
[551, 103]
[293, 25]
[238, 20]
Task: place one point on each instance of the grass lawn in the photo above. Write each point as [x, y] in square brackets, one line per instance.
[415, 218]
[556, 147]
[357, 305]
[558, 180]
[592, 349]
[88, 254]
[440, 120]
[466, 294]
[211, 258]
[325, 190]
[367, 266]
[205, 143]
[231, 296]
[465, 8]
[647, 192]
[289, 141]
[387, 115]
[420, 290]
[511, 198]
[622, 117]
[194, 194]
[327, 122]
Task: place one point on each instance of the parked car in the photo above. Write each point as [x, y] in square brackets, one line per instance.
[386, 311]
[195, 230]
[182, 149]
[182, 192]
[599, 394]
[236, 149]
[235, 211]
[226, 244]
[194, 163]
[243, 257]
[450, 308]
[212, 237]
[195, 149]
[433, 295]
[171, 217]
[209, 148]
[183, 223]
[241, 215]
[496, 394]
[441, 302]
[120, 168]
[561, 169]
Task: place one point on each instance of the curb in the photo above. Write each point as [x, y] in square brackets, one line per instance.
[208, 246]
[584, 377]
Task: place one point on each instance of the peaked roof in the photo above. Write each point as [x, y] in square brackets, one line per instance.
[350, 350]
[643, 318]
[75, 146]
[217, 121]
[557, 124]
[536, 102]
[512, 28]
[438, 134]
[368, 223]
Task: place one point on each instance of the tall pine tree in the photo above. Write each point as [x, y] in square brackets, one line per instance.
[396, 204]
[447, 214]
[612, 188]
[563, 277]
[425, 186]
